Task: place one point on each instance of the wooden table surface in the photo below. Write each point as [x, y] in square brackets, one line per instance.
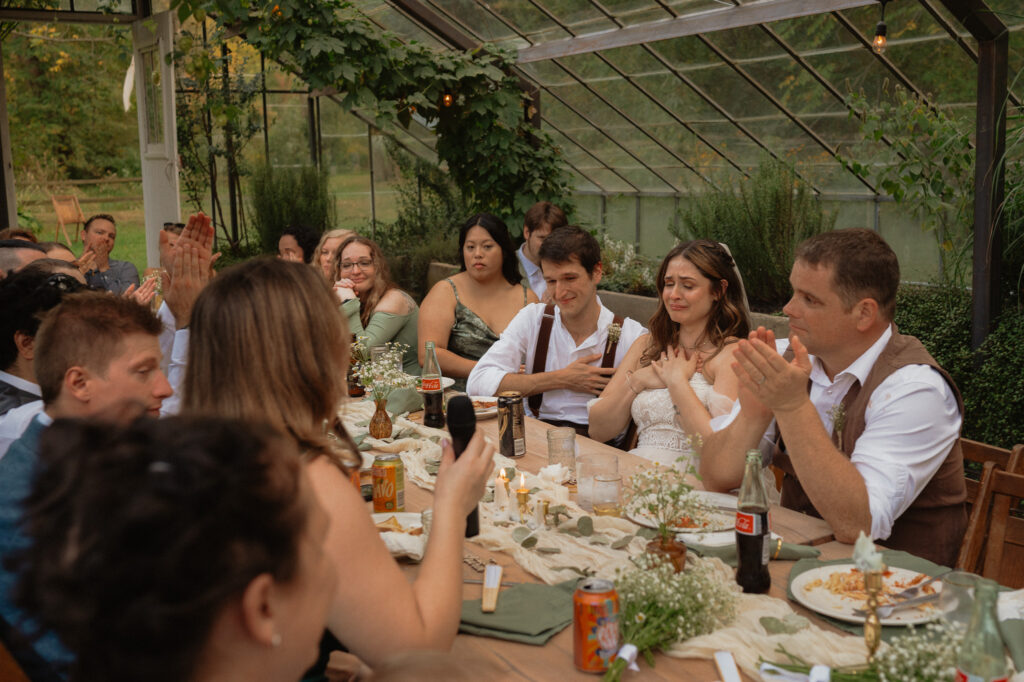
[526, 662]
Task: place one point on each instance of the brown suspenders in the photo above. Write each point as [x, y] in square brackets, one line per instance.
[540, 356]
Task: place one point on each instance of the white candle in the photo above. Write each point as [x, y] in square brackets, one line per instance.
[500, 493]
[538, 515]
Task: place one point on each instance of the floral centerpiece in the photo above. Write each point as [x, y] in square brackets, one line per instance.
[664, 497]
[380, 376]
[658, 606]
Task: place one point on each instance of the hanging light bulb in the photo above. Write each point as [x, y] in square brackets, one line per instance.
[880, 42]
[447, 99]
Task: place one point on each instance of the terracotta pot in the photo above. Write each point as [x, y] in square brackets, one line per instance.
[673, 550]
[380, 423]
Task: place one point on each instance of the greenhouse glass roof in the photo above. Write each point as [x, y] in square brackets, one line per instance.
[670, 116]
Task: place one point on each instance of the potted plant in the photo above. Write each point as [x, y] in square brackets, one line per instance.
[663, 497]
[380, 374]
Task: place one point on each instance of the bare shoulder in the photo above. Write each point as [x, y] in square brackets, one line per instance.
[396, 302]
[636, 351]
[531, 296]
[440, 296]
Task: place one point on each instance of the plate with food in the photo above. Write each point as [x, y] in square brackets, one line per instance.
[402, 533]
[702, 521]
[837, 590]
[485, 406]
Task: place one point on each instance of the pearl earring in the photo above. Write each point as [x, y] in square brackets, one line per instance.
[276, 639]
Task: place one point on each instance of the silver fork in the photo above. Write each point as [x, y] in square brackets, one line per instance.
[888, 609]
[914, 589]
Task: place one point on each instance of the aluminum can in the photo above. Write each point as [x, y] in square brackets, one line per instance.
[511, 424]
[595, 621]
[388, 484]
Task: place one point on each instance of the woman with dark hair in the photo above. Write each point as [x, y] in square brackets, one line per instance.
[178, 549]
[675, 379]
[374, 305]
[297, 243]
[464, 314]
[269, 344]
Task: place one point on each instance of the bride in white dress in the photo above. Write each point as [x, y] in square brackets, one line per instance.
[675, 379]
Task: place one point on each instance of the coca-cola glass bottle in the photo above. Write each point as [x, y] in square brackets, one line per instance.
[981, 656]
[752, 532]
[433, 394]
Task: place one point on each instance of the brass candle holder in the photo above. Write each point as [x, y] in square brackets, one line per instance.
[872, 625]
[523, 496]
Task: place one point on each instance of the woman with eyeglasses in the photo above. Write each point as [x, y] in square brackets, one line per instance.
[374, 305]
[465, 314]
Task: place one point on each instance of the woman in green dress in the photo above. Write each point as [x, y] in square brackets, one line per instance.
[464, 314]
[375, 307]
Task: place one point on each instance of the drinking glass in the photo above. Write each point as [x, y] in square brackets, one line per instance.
[589, 466]
[956, 601]
[607, 494]
[562, 448]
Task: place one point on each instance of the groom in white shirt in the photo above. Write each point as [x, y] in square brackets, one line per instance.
[861, 419]
[571, 371]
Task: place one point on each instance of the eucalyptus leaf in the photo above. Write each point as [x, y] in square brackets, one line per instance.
[622, 542]
[435, 439]
[571, 531]
[549, 550]
[488, 496]
[579, 571]
[788, 625]
[363, 424]
[529, 542]
[432, 469]
[364, 447]
[520, 533]
[534, 491]
[585, 525]
[599, 540]
[647, 533]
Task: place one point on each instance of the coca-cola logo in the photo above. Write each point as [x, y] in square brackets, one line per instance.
[745, 523]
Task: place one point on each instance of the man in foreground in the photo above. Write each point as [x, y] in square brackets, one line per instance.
[561, 375]
[861, 419]
[114, 375]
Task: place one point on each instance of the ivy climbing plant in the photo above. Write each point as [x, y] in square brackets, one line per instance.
[502, 164]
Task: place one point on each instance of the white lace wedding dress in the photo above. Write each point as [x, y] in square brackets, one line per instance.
[659, 437]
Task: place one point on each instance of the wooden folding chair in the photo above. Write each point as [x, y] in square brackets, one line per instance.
[68, 211]
[994, 543]
[980, 453]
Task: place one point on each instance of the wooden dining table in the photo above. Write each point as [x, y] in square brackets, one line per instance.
[554, 660]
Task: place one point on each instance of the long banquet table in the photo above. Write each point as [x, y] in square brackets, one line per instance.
[554, 660]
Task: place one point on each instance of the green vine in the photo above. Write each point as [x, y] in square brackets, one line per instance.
[502, 164]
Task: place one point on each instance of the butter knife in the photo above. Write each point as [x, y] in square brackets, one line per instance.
[888, 609]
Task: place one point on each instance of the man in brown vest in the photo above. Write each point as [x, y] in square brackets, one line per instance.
[859, 417]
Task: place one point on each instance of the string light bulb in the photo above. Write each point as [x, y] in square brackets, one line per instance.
[447, 99]
[880, 42]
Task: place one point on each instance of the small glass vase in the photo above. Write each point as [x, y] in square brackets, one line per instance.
[672, 550]
[380, 422]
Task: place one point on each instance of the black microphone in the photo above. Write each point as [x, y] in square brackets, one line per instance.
[461, 425]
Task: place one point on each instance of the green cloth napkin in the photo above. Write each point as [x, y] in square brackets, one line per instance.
[403, 400]
[529, 613]
[727, 553]
[892, 558]
[1013, 637]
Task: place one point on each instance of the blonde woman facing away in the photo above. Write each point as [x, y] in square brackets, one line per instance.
[675, 379]
[269, 344]
[466, 313]
[374, 305]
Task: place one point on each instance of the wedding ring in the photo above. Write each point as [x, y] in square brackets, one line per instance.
[778, 548]
[762, 380]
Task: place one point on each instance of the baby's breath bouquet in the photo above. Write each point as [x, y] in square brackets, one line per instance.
[383, 374]
[658, 607]
[663, 496]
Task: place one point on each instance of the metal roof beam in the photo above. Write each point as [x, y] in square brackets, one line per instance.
[710, 21]
[53, 16]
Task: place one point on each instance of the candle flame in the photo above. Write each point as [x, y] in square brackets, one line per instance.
[503, 477]
[522, 480]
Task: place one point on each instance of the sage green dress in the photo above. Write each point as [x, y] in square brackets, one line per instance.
[384, 327]
[470, 336]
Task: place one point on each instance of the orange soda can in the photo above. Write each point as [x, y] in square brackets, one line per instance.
[595, 622]
[388, 484]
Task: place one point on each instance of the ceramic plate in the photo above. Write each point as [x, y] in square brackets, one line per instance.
[486, 411]
[718, 521]
[821, 600]
[719, 500]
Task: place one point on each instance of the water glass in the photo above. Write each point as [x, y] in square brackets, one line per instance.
[589, 466]
[562, 448]
[607, 494]
[956, 601]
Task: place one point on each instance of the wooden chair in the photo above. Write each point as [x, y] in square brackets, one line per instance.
[10, 671]
[980, 453]
[994, 543]
[68, 212]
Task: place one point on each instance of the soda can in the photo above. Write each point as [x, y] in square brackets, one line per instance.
[388, 484]
[511, 424]
[595, 620]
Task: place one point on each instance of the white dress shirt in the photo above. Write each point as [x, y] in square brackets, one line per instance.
[534, 276]
[519, 341]
[176, 372]
[170, 325]
[14, 422]
[911, 422]
[18, 382]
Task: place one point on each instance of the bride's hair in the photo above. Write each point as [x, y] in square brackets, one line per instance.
[728, 318]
